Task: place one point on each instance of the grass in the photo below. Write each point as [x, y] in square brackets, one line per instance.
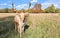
[40, 26]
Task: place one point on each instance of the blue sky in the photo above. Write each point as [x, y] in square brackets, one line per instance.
[19, 4]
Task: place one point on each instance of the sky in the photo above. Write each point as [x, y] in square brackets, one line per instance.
[20, 4]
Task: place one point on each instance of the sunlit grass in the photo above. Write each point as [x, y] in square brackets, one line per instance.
[40, 26]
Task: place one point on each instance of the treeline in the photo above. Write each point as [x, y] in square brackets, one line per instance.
[6, 10]
[50, 9]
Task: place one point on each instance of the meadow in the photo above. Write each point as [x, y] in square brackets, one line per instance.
[41, 25]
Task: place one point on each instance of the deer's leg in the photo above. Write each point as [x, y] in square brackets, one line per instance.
[19, 30]
[15, 27]
[23, 30]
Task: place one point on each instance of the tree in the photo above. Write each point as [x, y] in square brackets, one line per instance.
[37, 6]
[57, 10]
[12, 7]
[29, 5]
[22, 10]
[29, 10]
[5, 10]
[50, 9]
[47, 10]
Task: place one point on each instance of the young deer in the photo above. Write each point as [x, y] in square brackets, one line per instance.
[19, 21]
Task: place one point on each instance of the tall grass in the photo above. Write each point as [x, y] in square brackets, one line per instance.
[40, 26]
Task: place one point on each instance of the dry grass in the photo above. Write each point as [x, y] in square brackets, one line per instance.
[40, 26]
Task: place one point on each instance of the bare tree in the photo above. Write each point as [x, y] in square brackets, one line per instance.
[29, 5]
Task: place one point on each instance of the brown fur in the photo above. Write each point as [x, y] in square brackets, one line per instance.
[21, 26]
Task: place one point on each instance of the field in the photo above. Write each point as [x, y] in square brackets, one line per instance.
[42, 25]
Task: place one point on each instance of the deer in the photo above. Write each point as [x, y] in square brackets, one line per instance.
[19, 21]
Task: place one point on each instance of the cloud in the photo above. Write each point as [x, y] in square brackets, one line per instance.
[49, 2]
[9, 1]
[3, 4]
[21, 6]
[34, 1]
